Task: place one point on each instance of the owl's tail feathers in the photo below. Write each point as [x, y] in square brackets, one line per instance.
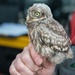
[69, 54]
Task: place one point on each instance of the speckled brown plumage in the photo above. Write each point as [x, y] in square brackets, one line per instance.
[47, 35]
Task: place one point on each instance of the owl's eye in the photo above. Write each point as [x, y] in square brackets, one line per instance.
[37, 14]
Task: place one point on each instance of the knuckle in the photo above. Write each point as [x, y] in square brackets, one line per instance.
[20, 68]
[17, 56]
[29, 45]
[25, 58]
[18, 65]
[25, 48]
[11, 70]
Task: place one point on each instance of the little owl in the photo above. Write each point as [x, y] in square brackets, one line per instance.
[47, 35]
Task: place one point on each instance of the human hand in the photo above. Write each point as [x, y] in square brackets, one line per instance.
[30, 63]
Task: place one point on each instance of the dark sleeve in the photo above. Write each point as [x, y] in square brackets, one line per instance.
[67, 67]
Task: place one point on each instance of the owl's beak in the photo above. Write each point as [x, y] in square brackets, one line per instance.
[29, 19]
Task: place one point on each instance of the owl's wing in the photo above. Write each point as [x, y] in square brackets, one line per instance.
[57, 28]
[57, 38]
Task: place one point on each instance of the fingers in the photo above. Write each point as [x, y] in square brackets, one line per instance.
[36, 57]
[18, 68]
[13, 71]
[27, 60]
[22, 68]
[23, 64]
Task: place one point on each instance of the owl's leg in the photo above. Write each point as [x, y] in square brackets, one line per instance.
[69, 54]
[57, 58]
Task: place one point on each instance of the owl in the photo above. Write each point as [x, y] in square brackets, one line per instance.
[47, 35]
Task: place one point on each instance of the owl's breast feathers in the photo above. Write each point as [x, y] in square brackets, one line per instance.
[50, 34]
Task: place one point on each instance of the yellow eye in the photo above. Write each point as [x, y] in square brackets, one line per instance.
[37, 14]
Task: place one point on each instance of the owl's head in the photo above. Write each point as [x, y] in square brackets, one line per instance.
[38, 11]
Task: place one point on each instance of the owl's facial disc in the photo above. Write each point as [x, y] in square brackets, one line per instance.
[38, 11]
[35, 16]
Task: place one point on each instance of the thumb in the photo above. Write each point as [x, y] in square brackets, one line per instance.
[36, 57]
